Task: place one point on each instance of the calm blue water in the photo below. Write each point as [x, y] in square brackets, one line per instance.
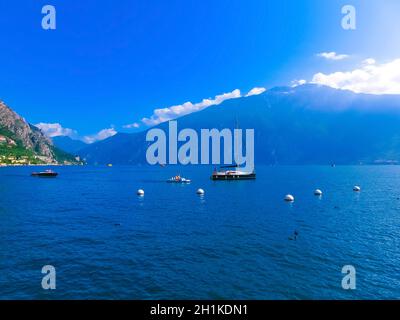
[107, 243]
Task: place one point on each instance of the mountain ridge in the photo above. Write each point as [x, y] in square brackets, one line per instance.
[308, 124]
[68, 144]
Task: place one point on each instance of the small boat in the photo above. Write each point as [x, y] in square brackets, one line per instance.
[178, 179]
[47, 173]
[232, 174]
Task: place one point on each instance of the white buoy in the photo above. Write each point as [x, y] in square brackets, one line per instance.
[140, 192]
[200, 191]
[289, 198]
[356, 189]
[318, 192]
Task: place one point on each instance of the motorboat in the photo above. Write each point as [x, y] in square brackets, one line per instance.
[47, 173]
[178, 179]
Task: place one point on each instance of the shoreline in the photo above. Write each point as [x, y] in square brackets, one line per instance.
[267, 165]
[38, 165]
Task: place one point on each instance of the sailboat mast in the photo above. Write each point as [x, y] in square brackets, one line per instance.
[236, 147]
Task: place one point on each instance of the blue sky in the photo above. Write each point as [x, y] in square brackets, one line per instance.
[112, 63]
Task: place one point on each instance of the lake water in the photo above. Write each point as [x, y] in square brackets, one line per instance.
[107, 243]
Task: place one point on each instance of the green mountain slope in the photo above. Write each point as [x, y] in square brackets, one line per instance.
[22, 143]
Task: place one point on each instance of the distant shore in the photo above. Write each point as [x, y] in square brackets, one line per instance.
[39, 165]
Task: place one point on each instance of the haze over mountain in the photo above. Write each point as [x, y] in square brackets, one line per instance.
[308, 124]
[23, 143]
[68, 144]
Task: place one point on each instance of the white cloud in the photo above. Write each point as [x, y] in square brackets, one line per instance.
[132, 125]
[255, 91]
[369, 61]
[55, 130]
[101, 135]
[170, 113]
[296, 83]
[332, 56]
[369, 78]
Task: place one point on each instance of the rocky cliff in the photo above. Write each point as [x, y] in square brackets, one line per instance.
[23, 143]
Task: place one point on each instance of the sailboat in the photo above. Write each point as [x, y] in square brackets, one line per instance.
[232, 172]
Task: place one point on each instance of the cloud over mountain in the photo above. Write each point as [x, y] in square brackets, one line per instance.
[370, 77]
[173, 112]
[166, 114]
[255, 91]
[57, 130]
[101, 135]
